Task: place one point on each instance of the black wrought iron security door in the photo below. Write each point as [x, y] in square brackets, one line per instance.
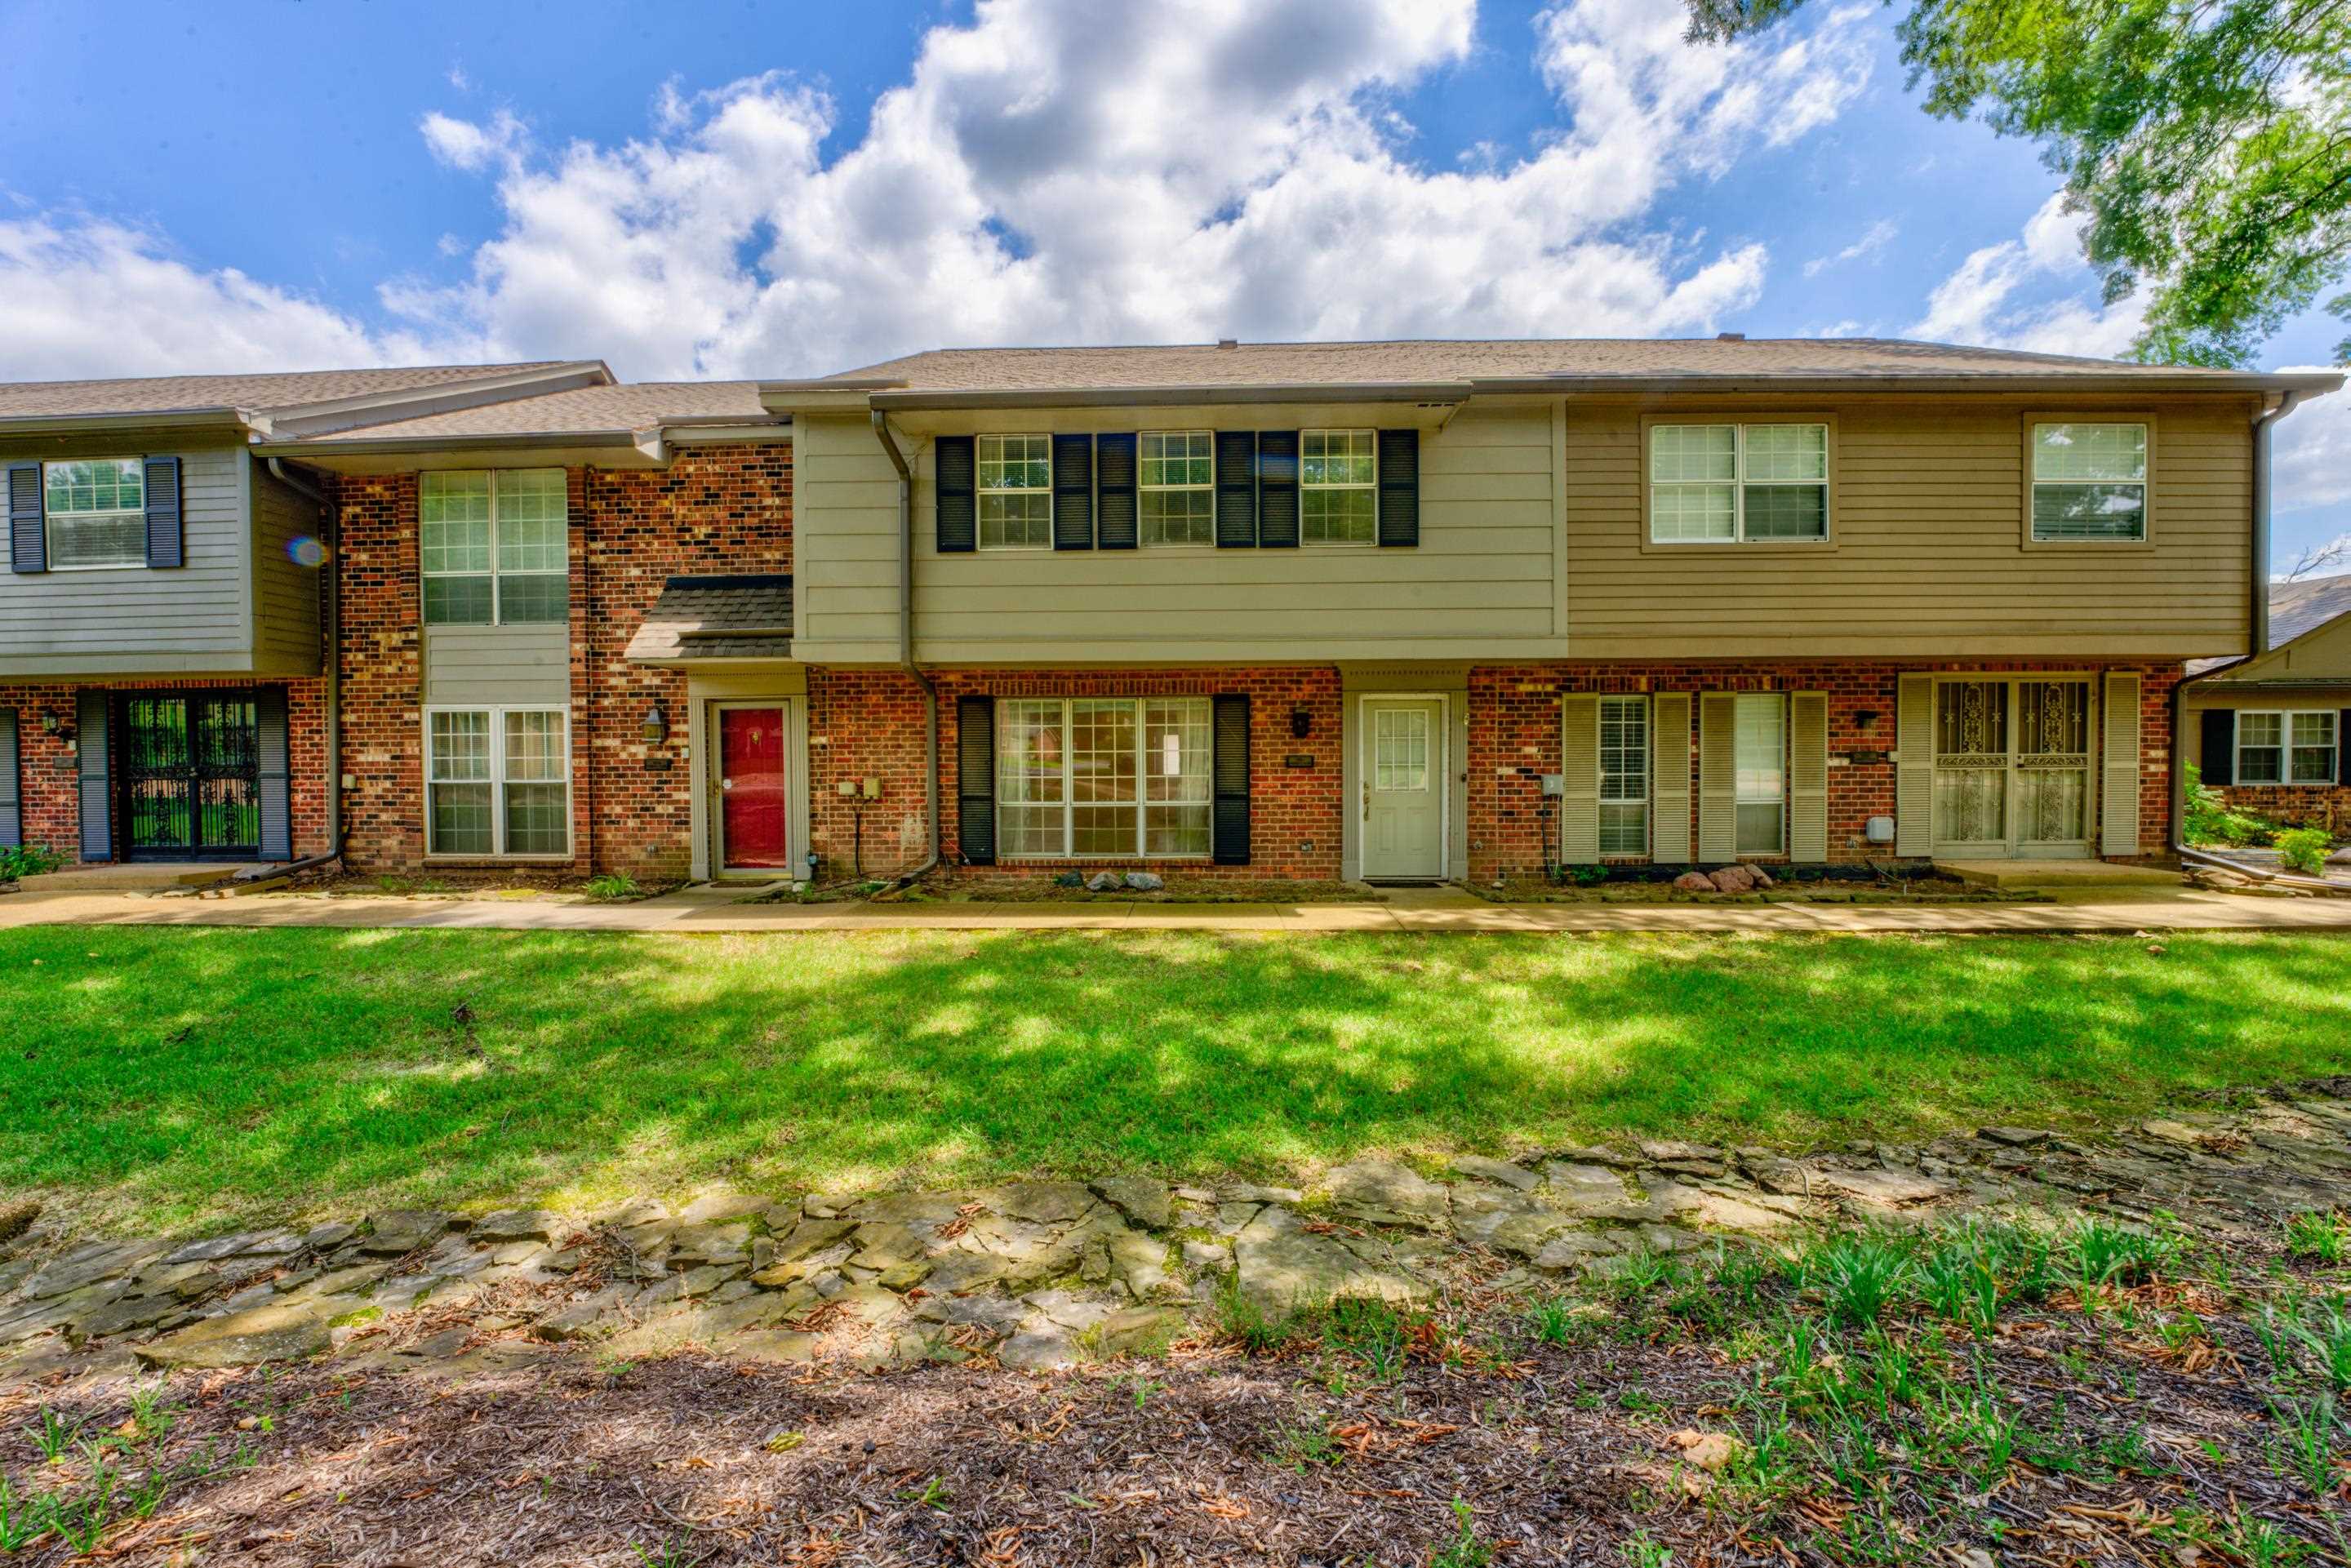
[191, 785]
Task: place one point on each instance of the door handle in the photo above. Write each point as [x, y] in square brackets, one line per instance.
[726, 783]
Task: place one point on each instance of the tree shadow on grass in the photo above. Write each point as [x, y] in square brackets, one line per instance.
[182, 1076]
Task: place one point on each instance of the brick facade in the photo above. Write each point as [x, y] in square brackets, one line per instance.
[49, 763]
[1514, 739]
[2326, 806]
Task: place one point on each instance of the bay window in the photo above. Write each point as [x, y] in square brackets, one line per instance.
[491, 547]
[1103, 778]
[497, 782]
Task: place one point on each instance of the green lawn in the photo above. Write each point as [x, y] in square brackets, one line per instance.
[178, 1077]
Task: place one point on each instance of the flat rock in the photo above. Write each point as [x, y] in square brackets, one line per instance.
[1249, 1192]
[1513, 1222]
[1070, 1309]
[722, 1206]
[402, 1230]
[1884, 1189]
[1044, 1347]
[1041, 1202]
[1667, 1151]
[88, 1265]
[1137, 1331]
[773, 1347]
[516, 1224]
[1147, 1203]
[1574, 1250]
[1282, 1268]
[1502, 1173]
[1590, 1191]
[997, 1314]
[282, 1331]
[2017, 1137]
[1384, 1187]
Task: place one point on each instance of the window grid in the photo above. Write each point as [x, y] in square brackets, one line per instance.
[1176, 485]
[1624, 775]
[1738, 484]
[96, 513]
[2288, 747]
[1338, 480]
[1761, 759]
[2089, 482]
[1103, 778]
[1400, 749]
[1015, 491]
[491, 547]
[497, 782]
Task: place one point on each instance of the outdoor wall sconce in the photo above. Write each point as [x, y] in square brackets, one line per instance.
[49, 723]
[1302, 722]
[1866, 718]
[655, 726]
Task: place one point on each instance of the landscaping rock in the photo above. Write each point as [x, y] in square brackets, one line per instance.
[1758, 875]
[1044, 1347]
[16, 1219]
[400, 1231]
[282, 1331]
[99, 1262]
[1731, 879]
[1377, 1190]
[1502, 1173]
[516, 1224]
[1282, 1268]
[1694, 881]
[1144, 882]
[1146, 1202]
[2017, 1137]
[1137, 1331]
[1105, 881]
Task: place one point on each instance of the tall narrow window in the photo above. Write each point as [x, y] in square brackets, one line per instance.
[1015, 491]
[1624, 775]
[1103, 778]
[1762, 772]
[1177, 485]
[491, 547]
[497, 782]
[2089, 481]
[97, 512]
[1338, 475]
[1729, 484]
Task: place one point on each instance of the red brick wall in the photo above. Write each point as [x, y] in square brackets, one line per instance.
[49, 765]
[715, 509]
[1514, 739]
[866, 724]
[2326, 806]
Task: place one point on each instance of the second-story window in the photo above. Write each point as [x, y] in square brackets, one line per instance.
[1015, 491]
[97, 511]
[491, 547]
[1737, 483]
[1178, 498]
[1338, 474]
[2089, 482]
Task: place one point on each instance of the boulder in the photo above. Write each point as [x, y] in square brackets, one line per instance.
[1386, 1192]
[1756, 874]
[1140, 1199]
[1732, 879]
[282, 1331]
[402, 1230]
[1144, 882]
[1501, 1173]
[1694, 881]
[516, 1224]
[1105, 882]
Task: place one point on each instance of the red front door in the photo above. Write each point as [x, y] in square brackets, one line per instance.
[752, 830]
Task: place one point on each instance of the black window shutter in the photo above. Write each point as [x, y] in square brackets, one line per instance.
[975, 780]
[1235, 490]
[1114, 477]
[92, 736]
[28, 541]
[2342, 748]
[2218, 764]
[12, 791]
[954, 491]
[1277, 489]
[1399, 486]
[1073, 492]
[1230, 767]
[274, 772]
[163, 546]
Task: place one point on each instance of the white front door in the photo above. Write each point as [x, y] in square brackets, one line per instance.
[1404, 774]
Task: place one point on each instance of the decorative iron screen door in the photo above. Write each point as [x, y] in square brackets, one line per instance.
[191, 776]
[2012, 766]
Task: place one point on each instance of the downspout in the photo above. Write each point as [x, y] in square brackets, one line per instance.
[906, 641]
[332, 695]
[2258, 617]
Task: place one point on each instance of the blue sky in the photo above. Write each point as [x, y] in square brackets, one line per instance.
[710, 189]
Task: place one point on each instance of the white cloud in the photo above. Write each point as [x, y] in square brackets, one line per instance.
[2311, 462]
[2000, 296]
[57, 279]
[462, 144]
[1874, 238]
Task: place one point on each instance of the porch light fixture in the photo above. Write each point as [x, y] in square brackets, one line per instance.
[1866, 718]
[1302, 722]
[655, 726]
[49, 723]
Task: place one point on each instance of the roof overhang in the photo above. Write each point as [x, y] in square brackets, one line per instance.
[217, 418]
[2121, 383]
[441, 397]
[403, 453]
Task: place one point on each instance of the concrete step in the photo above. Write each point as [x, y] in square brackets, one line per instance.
[162, 876]
[2056, 874]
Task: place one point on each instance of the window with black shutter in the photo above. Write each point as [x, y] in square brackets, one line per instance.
[956, 495]
[2219, 763]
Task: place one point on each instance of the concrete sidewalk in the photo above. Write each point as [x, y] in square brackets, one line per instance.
[1433, 909]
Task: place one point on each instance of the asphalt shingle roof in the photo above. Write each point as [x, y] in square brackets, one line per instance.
[259, 392]
[2298, 607]
[637, 405]
[738, 617]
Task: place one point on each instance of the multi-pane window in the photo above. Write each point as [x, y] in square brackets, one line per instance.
[1177, 485]
[1763, 773]
[1103, 778]
[2089, 481]
[1338, 475]
[1624, 775]
[2288, 747]
[97, 510]
[491, 547]
[497, 782]
[1015, 491]
[1729, 484]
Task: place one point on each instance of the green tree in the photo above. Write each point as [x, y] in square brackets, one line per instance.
[2208, 141]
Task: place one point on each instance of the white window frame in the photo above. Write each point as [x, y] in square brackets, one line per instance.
[1742, 796]
[1739, 482]
[498, 781]
[135, 562]
[982, 490]
[2285, 747]
[1141, 489]
[495, 573]
[2033, 482]
[1142, 800]
[1371, 485]
[1642, 754]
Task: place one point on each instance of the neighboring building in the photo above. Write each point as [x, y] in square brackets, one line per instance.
[2273, 732]
[1390, 609]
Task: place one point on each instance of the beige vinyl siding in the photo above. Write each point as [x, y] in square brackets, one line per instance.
[1926, 556]
[2321, 654]
[1481, 582]
[501, 665]
[195, 619]
[285, 593]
